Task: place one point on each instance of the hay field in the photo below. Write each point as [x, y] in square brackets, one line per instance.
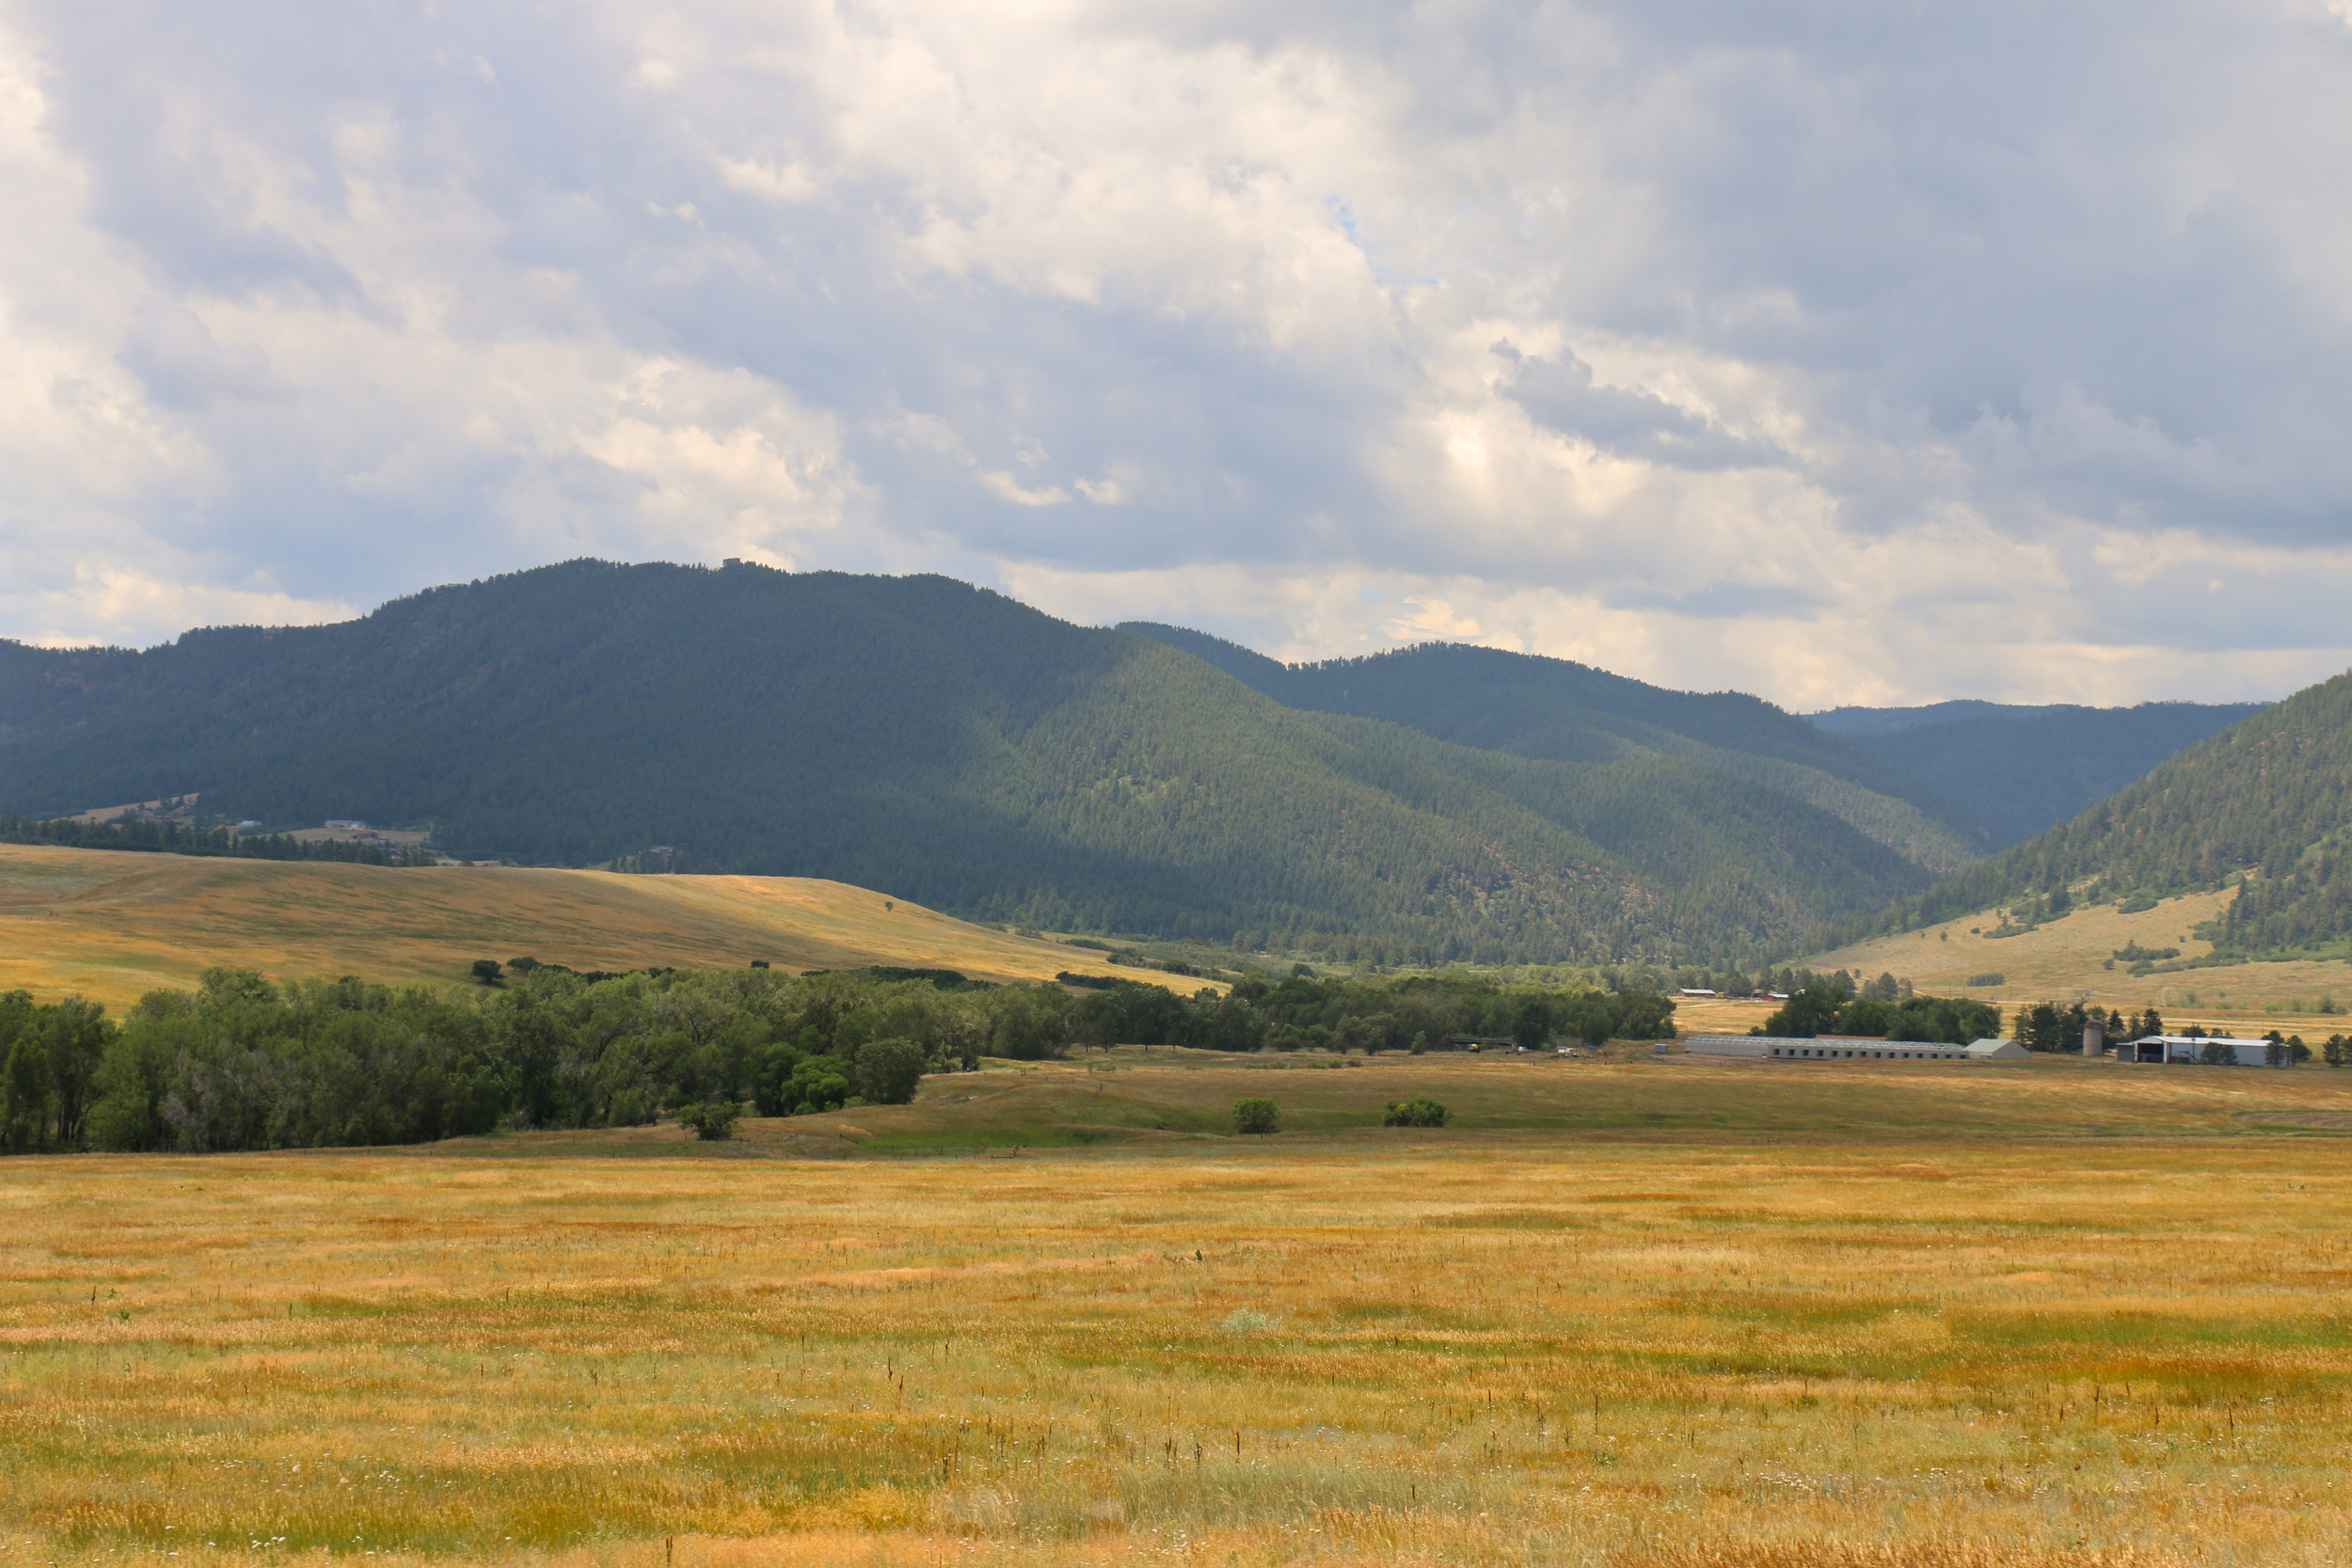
[1347, 1346]
[112, 925]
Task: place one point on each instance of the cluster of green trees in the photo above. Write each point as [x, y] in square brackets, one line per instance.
[1825, 1007]
[967, 752]
[2053, 1026]
[2265, 802]
[50, 1058]
[2298, 906]
[1420, 1012]
[243, 1063]
[177, 838]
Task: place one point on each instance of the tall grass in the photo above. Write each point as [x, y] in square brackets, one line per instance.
[1875, 1354]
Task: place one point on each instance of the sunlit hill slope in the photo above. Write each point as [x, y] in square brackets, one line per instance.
[113, 926]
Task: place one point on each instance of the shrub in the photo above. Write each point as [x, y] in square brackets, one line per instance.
[1420, 1111]
[1256, 1115]
[713, 1123]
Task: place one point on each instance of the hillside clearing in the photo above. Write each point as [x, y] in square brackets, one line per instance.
[2065, 960]
[112, 925]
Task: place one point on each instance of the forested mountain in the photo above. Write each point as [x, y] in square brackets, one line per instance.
[1882, 721]
[2017, 771]
[920, 736]
[1556, 710]
[2269, 800]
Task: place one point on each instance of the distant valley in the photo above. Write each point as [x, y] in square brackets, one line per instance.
[2015, 771]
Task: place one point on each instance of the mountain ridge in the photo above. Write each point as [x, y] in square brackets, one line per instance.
[1545, 708]
[2265, 805]
[922, 734]
[2016, 772]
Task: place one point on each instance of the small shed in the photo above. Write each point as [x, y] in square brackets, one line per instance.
[1991, 1050]
[1722, 1045]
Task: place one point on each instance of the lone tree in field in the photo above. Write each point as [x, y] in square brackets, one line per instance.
[1420, 1111]
[713, 1123]
[487, 971]
[1256, 1115]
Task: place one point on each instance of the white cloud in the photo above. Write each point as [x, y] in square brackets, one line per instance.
[1841, 355]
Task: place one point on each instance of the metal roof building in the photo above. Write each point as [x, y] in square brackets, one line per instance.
[1990, 1049]
[2191, 1049]
[1831, 1048]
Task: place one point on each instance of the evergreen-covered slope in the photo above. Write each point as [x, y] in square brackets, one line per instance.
[920, 736]
[2015, 771]
[2270, 797]
[1554, 709]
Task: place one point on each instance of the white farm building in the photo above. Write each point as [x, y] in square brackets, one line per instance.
[1847, 1047]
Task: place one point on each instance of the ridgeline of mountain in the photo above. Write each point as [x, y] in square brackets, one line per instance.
[919, 736]
[1884, 720]
[2269, 799]
[1556, 710]
[2016, 771]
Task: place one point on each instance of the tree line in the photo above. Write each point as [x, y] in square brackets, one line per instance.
[180, 838]
[243, 1063]
[1881, 1009]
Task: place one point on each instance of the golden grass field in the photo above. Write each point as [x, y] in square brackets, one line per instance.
[113, 926]
[2062, 962]
[1632, 1314]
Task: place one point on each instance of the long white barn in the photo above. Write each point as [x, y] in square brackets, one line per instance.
[1849, 1048]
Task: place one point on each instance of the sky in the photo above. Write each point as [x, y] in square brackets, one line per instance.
[1871, 353]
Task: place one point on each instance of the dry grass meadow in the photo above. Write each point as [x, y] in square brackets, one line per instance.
[113, 926]
[1630, 1313]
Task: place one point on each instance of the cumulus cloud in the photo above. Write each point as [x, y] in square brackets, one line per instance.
[1828, 351]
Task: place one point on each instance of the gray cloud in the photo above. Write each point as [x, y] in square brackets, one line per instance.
[184, 367]
[1560, 395]
[1822, 321]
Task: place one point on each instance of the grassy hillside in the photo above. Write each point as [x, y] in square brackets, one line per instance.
[1557, 710]
[2265, 807]
[2074, 957]
[2016, 772]
[112, 926]
[924, 736]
